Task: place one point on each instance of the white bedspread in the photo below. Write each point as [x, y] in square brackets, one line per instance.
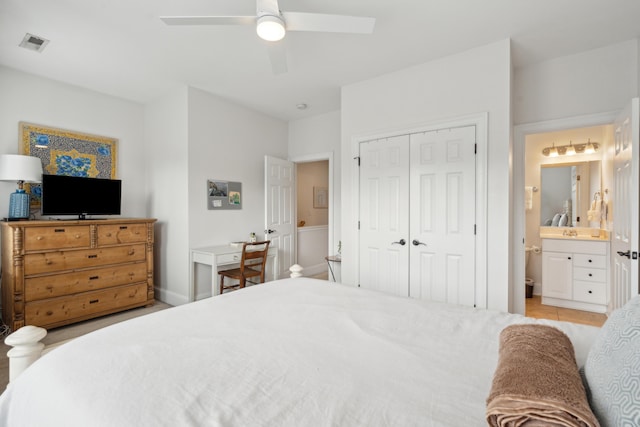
[296, 352]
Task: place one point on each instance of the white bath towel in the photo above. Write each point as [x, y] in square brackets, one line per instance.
[528, 198]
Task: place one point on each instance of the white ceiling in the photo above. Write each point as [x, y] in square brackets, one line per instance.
[121, 48]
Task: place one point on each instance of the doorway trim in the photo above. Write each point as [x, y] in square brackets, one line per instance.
[520, 133]
[307, 158]
[480, 121]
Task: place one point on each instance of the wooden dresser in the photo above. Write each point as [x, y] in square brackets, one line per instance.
[59, 272]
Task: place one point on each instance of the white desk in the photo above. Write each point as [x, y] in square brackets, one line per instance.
[223, 255]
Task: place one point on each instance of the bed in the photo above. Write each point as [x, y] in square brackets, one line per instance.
[293, 352]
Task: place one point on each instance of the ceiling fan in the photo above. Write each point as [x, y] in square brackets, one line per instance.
[272, 25]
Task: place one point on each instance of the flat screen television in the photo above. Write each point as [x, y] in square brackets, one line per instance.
[72, 195]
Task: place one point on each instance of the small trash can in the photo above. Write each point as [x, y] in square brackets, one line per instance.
[528, 287]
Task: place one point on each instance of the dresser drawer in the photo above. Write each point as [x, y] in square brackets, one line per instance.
[595, 293]
[590, 274]
[46, 238]
[63, 310]
[114, 234]
[592, 261]
[49, 262]
[42, 287]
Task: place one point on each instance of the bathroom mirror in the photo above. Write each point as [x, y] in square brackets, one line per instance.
[566, 193]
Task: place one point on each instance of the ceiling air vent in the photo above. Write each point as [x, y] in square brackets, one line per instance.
[32, 42]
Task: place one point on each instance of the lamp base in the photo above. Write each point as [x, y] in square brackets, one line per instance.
[19, 205]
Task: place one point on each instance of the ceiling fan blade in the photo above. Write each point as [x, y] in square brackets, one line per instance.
[301, 21]
[278, 56]
[267, 7]
[209, 20]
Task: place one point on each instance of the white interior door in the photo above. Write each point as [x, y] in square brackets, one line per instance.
[442, 215]
[384, 216]
[279, 217]
[624, 241]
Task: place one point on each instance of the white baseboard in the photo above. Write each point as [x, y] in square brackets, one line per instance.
[170, 298]
[315, 269]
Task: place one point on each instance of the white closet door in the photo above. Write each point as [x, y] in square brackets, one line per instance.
[442, 212]
[384, 215]
[624, 241]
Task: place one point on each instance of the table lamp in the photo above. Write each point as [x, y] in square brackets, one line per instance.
[15, 167]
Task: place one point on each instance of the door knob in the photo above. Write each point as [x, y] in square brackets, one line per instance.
[269, 231]
[627, 254]
[417, 243]
[401, 242]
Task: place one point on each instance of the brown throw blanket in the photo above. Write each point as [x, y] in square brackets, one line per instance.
[536, 382]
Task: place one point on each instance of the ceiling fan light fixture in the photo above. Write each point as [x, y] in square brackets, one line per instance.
[270, 28]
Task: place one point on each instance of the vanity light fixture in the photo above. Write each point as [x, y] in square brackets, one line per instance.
[571, 149]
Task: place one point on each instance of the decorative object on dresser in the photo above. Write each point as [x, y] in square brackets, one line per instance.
[59, 272]
[15, 167]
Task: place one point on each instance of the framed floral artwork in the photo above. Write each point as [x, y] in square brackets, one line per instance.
[65, 152]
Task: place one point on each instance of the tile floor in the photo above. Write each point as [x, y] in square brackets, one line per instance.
[535, 308]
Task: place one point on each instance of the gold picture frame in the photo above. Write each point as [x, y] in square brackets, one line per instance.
[66, 152]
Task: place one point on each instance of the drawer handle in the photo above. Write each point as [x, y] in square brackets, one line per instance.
[48, 262]
[39, 238]
[236, 257]
[590, 261]
[49, 313]
[132, 251]
[590, 275]
[59, 230]
[131, 274]
[568, 257]
[93, 301]
[92, 256]
[123, 227]
[94, 277]
[77, 236]
[590, 292]
[108, 234]
[49, 288]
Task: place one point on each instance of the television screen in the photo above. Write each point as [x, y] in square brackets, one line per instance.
[72, 195]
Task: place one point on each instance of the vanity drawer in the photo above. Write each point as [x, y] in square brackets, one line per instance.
[44, 238]
[595, 293]
[591, 261]
[590, 274]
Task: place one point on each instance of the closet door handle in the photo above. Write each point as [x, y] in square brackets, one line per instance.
[417, 242]
[401, 242]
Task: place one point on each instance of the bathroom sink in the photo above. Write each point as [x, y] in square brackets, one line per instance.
[573, 233]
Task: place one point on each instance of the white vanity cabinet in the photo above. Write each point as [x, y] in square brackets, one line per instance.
[575, 274]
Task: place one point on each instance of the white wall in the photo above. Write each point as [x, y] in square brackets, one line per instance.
[321, 134]
[227, 142]
[25, 97]
[591, 82]
[472, 82]
[166, 143]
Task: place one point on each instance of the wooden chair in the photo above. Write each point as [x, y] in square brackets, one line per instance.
[252, 264]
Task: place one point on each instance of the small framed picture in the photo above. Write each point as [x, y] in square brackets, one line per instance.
[320, 197]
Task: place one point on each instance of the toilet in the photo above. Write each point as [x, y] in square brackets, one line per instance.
[528, 282]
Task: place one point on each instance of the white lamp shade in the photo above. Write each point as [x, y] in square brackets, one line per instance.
[270, 28]
[16, 167]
